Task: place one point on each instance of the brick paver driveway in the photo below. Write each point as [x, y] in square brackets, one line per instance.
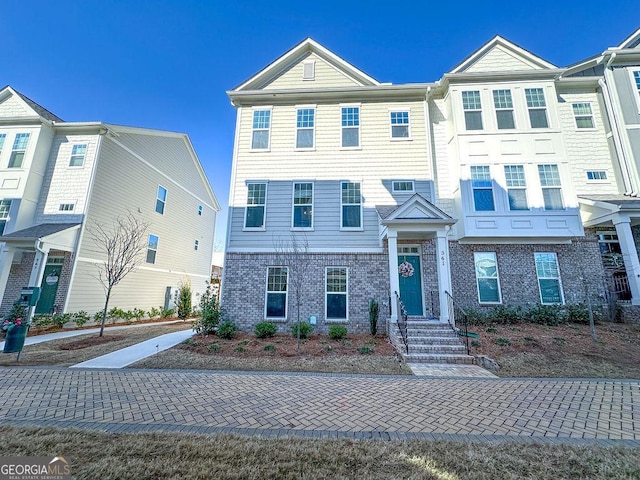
[323, 405]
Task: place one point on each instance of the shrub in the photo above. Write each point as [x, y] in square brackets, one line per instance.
[305, 330]
[365, 350]
[167, 312]
[337, 332]
[138, 314]
[475, 344]
[214, 347]
[42, 320]
[60, 319]
[80, 318]
[269, 348]
[374, 311]
[154, 312]
[506, 314]
[211, 313]
[503, 342]
[184, 300]
[227, 330]
[265, 329]
[547, 314]
[115, 313]
[476, 317]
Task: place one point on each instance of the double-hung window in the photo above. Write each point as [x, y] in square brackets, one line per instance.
[472, 110]
[305, 127]
[336, 293]
[548, 278]
[5, 207]
[350, 126]
[152, 248]
[400, 124]
[516, 187]
[303, 205]
[161, 199]
[18, 151]
[261, 129]
[256, 202]
[537, 107]
[551, 188]
[503, 104]
[583, 115]
[78, 153]
[482, 187]
[3, 136]
[276, 298]
[487, 278]
[351, 201]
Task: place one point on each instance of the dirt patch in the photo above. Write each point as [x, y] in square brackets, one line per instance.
[530, 350]
[90, 342]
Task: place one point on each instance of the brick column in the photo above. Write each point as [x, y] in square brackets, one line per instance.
[629, 255]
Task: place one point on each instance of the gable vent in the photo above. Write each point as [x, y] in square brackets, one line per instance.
[309, 70]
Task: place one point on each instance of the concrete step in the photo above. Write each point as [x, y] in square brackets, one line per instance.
[433, 340]
[439, 358]
[436, 349]
[426, 332]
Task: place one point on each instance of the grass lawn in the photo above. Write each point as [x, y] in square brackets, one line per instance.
[172, 456]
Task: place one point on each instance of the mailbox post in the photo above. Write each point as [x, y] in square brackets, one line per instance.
[17, 335]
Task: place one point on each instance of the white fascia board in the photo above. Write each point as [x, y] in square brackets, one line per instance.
[310, 250]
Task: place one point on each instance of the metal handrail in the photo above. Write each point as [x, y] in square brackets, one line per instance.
[402, 321]
[461, 315]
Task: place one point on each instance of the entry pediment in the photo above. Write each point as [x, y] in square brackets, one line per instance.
[417, 208]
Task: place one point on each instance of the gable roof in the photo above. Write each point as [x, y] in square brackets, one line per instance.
[295, 55]
[38, 109]
[632, 41]
[515, 58]
[416, 209]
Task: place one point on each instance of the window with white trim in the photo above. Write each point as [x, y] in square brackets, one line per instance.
[482, 187]
[516, 187]
[3, 136]
[351, 205]
[403, 186]
[487, 279]
[276, 296]
[350, 126]
[551, 187]
[161, 199]
[19, 149]
[583, 115]
[152, 248]
[595, 175]
[256, 203]
[549, 282]
[337, 302]
[503, 104]
[400, 124]
[472, 110]
[305, 127]
[303, 205]
[636, 79]
[537, 107]
[66, 207]
[78, 154]
[5, 207]
[261, 130]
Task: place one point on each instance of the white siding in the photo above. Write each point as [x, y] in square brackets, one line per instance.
[14, 107]
[498, 59]
[326, 76]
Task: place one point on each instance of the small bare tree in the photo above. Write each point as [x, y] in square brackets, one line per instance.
[291, 253]
[123, 245]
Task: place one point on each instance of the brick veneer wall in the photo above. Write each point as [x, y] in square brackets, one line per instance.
[517, 271]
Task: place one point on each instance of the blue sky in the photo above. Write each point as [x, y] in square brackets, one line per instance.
[167, 64]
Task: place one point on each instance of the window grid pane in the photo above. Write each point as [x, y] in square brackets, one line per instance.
[535, 97]
[351, 205]
[261, 119]
[596, 175]
[351, 116]
[257, 193]
[502, 99]
[306, 118]
[403, 186]
[471, 100]
[256, 198]
[20, 143]
[5, 206]
[2, 138]
[399, 118]
[303, 205]
[351, 193]
[549, 175]
[336, 293]
[514, 175]
[636, 77]
[481, 176]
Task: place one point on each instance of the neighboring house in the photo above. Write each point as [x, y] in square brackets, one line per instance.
[58, 178]
[471, 186]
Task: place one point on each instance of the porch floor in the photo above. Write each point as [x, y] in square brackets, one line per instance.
[449, 370]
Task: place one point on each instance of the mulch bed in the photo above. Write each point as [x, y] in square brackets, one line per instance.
[90, 342]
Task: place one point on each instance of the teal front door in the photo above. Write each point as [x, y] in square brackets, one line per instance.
[49, 288]
[410, 284]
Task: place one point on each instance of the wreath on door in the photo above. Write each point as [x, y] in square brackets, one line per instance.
[405, 269]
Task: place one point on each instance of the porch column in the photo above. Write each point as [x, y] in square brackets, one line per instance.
[6, 259]
[629, 255]
[394, 283]
[444, 272]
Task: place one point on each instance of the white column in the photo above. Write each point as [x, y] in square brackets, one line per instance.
[37, 270]
[6, 259]
[629, 255]
[444, 273]
[394, 283]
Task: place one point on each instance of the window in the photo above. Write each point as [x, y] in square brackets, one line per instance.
[504, 109]
[350, 126]
[537, 107]
[19, 148]
[516, 187]
[482, 188]
[66, 207]
[551, 191]
[161, 199]
[2, 137]
[487, 277]
[336, 293]
[351, 205]
[472, 110]
[5, 206]
[196, 245]
[400, 125]
[583, 115]
[309, 70]
[261, 128]
[305, 124]
[548, 278]
[596, 175]
[78, 152]
[256, 200]
[276, 301]
[636, 79]
[403, 186]
[303, 205]
[152, 248]
[199, 210]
